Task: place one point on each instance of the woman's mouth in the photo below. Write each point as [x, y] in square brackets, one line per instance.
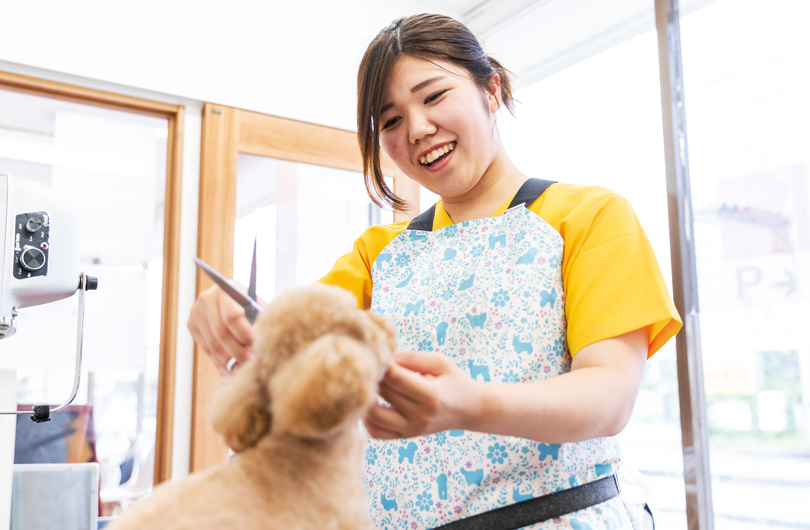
[437, 155]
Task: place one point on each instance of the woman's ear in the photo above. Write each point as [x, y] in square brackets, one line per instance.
[494, 93]
[241, 412]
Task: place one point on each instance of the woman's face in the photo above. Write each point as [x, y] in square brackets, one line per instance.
[438, 126]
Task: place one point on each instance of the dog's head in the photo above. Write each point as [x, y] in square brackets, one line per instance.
[318, 361]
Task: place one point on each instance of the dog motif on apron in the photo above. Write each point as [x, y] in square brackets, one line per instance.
[488, 294]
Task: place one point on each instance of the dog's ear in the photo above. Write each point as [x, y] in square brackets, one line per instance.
[241, 412]
[328, 384]
[385, 336]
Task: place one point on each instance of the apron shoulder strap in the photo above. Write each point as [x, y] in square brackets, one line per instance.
[423, 221]
[530, 191]
[527, 194]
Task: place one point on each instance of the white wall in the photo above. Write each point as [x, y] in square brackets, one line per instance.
[293, 59]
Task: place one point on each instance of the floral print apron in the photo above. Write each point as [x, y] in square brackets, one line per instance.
[488, 294]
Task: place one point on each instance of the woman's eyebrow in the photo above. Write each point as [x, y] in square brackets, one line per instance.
[415, 89]
[425, 83]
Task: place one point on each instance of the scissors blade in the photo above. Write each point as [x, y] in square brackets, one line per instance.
[252, 285]
[252, 308]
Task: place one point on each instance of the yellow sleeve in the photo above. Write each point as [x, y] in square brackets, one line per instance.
[352, 271]
[612, 281]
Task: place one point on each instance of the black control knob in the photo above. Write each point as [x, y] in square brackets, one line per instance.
[34, 224]
[32, 259]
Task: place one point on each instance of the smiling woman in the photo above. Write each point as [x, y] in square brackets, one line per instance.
[523, 342]
[525, 309]
[451, 57]
[436, 137]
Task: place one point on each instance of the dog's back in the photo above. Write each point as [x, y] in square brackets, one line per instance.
[255, 492]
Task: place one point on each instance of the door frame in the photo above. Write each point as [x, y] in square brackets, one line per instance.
[175, 116]
[227, 132]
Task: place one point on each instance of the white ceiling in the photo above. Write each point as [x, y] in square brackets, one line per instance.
[291, 59]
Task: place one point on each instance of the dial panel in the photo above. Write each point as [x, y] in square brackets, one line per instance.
[31, 244]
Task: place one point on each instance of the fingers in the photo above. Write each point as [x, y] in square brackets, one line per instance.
[414, 391]
[412, 394]
[423, 363]
[411, 376]
[233, 316]
[219, 326]
[385, 423]
[400, 387]
[401, 384]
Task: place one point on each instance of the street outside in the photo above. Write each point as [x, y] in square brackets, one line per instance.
[750, 490]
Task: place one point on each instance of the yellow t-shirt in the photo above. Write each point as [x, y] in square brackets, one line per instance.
[612, 281]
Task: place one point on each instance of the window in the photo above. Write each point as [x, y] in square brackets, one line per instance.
[119, 169]
[746, 82]
[598, 122]
[589, 113]
[302, 218]
[262, 181]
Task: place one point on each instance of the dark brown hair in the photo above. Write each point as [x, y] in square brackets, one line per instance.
[428, 37]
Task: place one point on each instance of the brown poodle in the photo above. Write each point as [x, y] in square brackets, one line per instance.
[292, 415]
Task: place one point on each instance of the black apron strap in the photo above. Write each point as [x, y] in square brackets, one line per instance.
[527, 194]
[423, 221]
[530, 191]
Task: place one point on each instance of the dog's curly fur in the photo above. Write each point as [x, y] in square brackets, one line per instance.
[292, 416]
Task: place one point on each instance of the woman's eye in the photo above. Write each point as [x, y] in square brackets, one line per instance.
[433, 97]
[390, 123]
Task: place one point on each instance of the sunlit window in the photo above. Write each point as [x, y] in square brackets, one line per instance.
[598, 123]
[111, 166]
[746, 79]
[302, 218]
[597, 120]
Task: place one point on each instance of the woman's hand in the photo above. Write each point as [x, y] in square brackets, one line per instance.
[219, 326]
[428, 394]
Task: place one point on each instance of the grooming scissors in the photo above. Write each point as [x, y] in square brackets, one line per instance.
[247, 301]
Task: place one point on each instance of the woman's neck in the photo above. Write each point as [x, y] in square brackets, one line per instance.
[501, 181]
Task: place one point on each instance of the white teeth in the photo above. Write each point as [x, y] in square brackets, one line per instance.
[436, 153]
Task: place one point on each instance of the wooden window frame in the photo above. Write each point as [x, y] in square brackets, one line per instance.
[175, 115]
[227, 132]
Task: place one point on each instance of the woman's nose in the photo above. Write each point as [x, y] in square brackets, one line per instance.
[420, 127]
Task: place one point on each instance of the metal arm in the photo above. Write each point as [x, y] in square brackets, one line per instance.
[41, 413]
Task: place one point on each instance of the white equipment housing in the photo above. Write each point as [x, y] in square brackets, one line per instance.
[32, 272]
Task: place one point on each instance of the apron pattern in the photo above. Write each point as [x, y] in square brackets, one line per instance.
[487, 294]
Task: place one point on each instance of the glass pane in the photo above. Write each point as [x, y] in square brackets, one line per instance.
[598, 122]
[749, 149]
[111, 166]
[302, 217]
